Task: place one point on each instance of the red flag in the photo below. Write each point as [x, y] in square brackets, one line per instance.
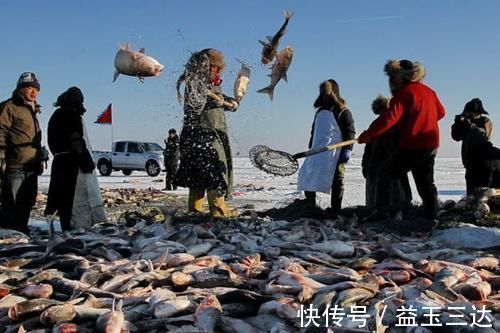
[105, 117]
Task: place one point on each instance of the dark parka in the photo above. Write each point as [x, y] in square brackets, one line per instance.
[66, 142]
[375, 155]
[206, 161]
[171, 154]
[480, 158]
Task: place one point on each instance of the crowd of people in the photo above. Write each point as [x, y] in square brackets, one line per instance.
[403, 138]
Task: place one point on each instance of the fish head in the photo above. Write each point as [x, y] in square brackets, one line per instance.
[148, 66]
[158, 69]
[13, 313]
[288, 51]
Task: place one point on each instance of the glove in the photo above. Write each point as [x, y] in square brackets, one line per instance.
[234, 104]
[86, 163]
[42, 158]
[364, 138]
[345, 155]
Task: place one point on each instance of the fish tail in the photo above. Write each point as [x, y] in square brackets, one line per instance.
[288, 15]
[267, 90]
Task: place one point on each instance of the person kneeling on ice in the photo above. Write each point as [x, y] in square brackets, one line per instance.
[319, 172]
[480, 158]
[206, 164]
[73, 190]
[415, 109]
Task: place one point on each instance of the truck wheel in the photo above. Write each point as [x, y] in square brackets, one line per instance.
[104, 167]
[127, 172]
[152, 168]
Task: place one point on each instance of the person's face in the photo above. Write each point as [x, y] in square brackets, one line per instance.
[171, 135]
[29, 93]
[214, 71]
[395, 83]
[475, 114]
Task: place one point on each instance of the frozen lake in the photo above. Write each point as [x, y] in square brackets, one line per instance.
[265, 191]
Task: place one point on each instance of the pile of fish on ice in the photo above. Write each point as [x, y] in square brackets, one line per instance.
[249, 274]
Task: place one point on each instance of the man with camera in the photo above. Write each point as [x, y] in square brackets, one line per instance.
[480, 158]
[22, 157]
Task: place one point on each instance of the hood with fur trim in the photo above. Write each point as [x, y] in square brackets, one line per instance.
[407, 70]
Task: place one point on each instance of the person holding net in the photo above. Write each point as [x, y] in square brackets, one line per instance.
[205, 163]
[318, 172]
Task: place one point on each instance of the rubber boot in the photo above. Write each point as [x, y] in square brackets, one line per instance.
[218, 206]
[195, 201]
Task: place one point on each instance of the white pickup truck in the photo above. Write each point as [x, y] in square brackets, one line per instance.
[128, 156]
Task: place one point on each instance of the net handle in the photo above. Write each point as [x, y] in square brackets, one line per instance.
[327, 148]
[219, 99]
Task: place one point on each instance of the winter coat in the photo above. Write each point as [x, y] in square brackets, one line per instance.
[415, 111]
[317, 172]
[20, 134]
[171, 154]
[376, 153]
[477, 150]
[66, 139]
[205, 151]
[346, 125]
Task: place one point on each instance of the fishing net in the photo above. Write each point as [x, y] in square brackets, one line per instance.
[197, 81]
[272, 161]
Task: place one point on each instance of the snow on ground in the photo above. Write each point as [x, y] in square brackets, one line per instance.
[264, 191]
[252, 186]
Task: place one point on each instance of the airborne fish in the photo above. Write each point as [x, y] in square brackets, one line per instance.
[134, 63]
[241, 83]
[270, 48]
[280, 67]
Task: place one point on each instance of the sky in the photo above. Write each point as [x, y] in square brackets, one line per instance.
[73, 43]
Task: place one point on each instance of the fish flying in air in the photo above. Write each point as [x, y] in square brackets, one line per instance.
[241, 82]
[279, 70]
[270, 48]
[134, 63]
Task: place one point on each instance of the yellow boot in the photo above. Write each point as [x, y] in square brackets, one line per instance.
[195, 201]
[218, 206]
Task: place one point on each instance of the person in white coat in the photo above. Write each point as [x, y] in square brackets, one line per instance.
[317, 172]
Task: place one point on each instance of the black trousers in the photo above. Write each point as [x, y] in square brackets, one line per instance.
[19, 190]
[337, 193]
[480, 176]
[421, 165]
[170, 172]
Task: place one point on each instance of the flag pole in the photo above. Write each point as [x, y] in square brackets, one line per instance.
[112, 137]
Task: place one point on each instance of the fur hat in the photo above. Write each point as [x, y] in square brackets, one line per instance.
[172, 131]
[329, 95]
[216, 58]
[28, 79]
[407, 70]
[475, 105]
[380, 104]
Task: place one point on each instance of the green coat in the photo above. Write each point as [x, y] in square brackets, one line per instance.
[20, 133]
[205, 150]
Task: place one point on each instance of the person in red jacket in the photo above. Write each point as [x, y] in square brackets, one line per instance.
[415, 111]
